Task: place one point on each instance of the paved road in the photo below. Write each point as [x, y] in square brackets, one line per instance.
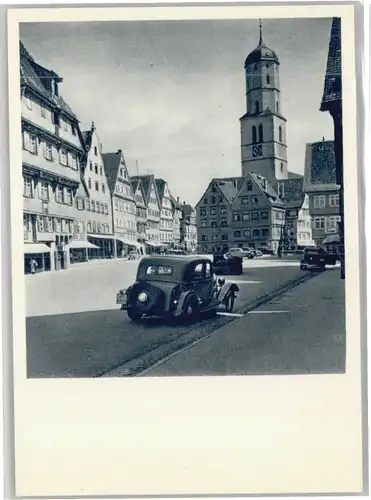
[75, 329]
[301, 332]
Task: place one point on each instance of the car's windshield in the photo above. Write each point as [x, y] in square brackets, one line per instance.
[159, 270]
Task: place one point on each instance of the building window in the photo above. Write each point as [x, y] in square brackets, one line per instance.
[236, 217]
[204, 237]
[92, 206]
[244, 200]
[44, 191]
[214, 237]
[277, 107]
[91, 165]
[255, 216]
[264, 215]
[48, 151]
[89, 183]
[261, 138]
[247, 233]
[223, 210]
[212, 211]
[237, 234]
[95, 168]
[95, 150]
[203, 224]
[59, 194]
[103, 188]
[28, 188]
[101, 170]
[57, 225]
[68, 196]
[333, 200]
[89, 227]
[224, 237]
[28, 102]
[97, 186]
[205, 201]
[223, 223]
[63, 157]
[257, 107]
[213, 224]
[319, 222]
[254, 137]
[40, 224]
[256, 233]
[98, 207]
[245, 216]
[213, 200]
[249, 186]
[80, 203]
[280, 133]
[73, 161]
[65, 125]
[265, 233]
[73, 130]
[319, 201]
[87, 204]
[30, 143]
[282, 167]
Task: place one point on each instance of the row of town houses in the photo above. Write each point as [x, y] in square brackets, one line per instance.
[80, 203]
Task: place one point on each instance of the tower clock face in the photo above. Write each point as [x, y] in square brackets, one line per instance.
[257, 150]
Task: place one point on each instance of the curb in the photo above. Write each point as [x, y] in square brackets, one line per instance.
[143, 361]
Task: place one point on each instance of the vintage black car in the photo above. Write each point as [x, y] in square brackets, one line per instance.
[177, 287]
[316, 258]
[226, 263]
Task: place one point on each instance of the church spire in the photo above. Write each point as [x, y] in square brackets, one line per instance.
[260, 33]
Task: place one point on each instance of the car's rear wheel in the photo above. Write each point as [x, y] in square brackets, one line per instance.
[191, 310]
[134, 315]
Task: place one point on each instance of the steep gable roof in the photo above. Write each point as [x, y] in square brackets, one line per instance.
[36, 77]
[111, 166]
[320, 165]
[266, 188]
[187, 209]
[332, 92]
[160, 184]
[147, 181]
[292, 192]
[228, 189]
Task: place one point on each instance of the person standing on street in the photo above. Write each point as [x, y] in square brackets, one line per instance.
[34, 266]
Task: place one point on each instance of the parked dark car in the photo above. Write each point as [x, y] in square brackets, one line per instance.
[225, 263]
[176, 288]
[266, 251]
[316, 257]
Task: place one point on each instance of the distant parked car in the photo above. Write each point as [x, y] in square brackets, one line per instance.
[316, 257]
[258, 253]
[266, 251]
[249, 252]
[134, 255]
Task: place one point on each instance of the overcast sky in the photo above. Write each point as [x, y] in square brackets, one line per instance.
[170, 94]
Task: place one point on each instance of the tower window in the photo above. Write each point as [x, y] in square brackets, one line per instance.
[277, 107]
[261, 138]
[281, 167]
[254, 134]
[280, 134]
[257, 107]
[268, 80]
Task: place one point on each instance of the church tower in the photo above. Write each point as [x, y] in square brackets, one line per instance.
[263, 127]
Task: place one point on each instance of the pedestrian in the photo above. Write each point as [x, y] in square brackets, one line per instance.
[34, 266]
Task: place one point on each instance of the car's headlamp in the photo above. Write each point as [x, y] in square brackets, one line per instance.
[142, 297]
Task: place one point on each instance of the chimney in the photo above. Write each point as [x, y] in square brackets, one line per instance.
[119, 151]
[177, 199]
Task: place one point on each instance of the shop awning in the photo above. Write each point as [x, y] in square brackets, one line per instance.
[127, 242]
[155, 244]
[101, 236]
[81, 244]
[331, 239]
[34, 248]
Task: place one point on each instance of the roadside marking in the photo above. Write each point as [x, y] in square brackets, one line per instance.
[243, 281]
[267, 312]
[233, 315]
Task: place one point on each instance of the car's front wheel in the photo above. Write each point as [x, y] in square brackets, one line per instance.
[134, 315]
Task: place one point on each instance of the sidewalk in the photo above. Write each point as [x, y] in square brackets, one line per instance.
[301, 332]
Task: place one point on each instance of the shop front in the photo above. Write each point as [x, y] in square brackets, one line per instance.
[36, 258]
[124, 246]
[79, 250]
[105, 247]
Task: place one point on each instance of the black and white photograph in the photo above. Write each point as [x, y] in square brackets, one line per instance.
[189, 213]
[183, 198]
